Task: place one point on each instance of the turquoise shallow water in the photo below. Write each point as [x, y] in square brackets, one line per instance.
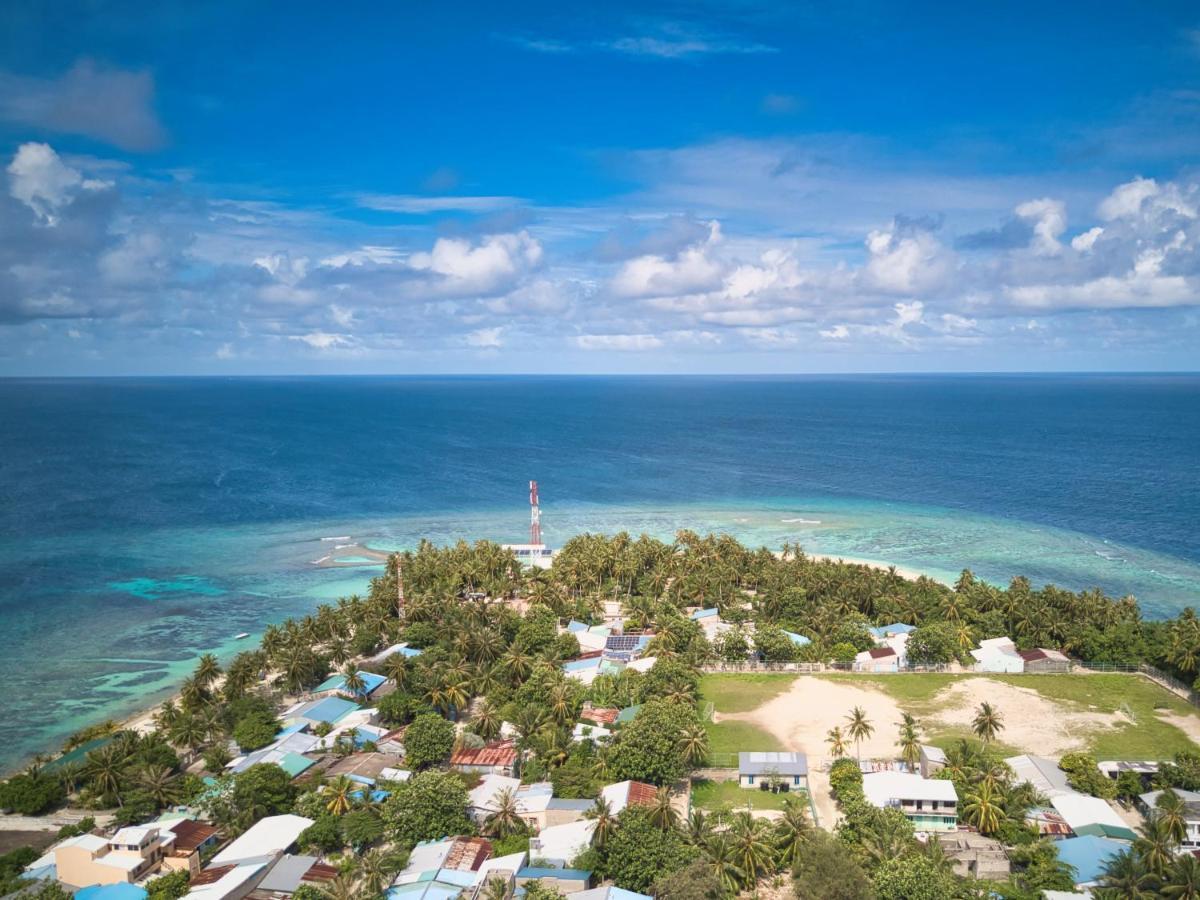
[145, 522]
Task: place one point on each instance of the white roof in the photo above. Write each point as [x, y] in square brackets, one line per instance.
[90, 842]
[617, 795]
[229, 883]
[563, 842]
[274, 834]
[484, 795]
[1080, 810]
[882, 788]
[1043, 773]
[514, 862]
[134, 834]
[645, 664]
[586, 730]
[933, 754]
[424, 858]
[390, 773]
[992, 647]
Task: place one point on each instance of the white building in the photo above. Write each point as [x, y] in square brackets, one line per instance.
[1043, 773]
[998, 655]
[931, 804]
[562, 843]
[268, 836]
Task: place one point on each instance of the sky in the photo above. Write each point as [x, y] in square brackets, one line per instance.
[704, 187]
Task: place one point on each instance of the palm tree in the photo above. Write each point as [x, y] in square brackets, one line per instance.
[722, 862]
[517, 663]
[752, 851]
[1155, 846]
[693, 744]
[561, 708]
[860, 727]
[188, 732]
[1170, 810]
[699, 828]
[987, 722]
[505, 817]
[909, 744]
[208, 670]
[375, 871]
[395, 667]
[104, 769]
[486, 722]
[352, 680]
[663, 813]
[1126, 878]
[341, 888]
[339, 792]
[606, 823]
[983, 809]
[836, 741]
[160, 783]
[495, 889]
[1182, 880]
[791, 831]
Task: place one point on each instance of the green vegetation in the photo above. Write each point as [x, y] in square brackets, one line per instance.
[727, 739]
[730, 796]
[743, 693]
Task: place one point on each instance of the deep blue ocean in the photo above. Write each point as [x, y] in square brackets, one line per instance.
[144, 521]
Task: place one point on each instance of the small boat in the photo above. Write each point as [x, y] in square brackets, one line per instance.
[244, 634]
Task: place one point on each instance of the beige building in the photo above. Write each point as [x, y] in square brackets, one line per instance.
[132, 854]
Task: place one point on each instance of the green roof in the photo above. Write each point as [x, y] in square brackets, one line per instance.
[294, 763]
[1108, 831]
[79, 753]
[629, 713]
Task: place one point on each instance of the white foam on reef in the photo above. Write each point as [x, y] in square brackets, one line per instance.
[801, 521]
[340, 537]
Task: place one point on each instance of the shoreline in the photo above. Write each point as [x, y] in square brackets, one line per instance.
[903, 571]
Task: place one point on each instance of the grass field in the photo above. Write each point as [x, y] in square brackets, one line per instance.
[727, 739]
[709, 795]
[1146, 737]
[742, 693]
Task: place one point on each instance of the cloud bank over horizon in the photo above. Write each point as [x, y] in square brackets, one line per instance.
[777, 251]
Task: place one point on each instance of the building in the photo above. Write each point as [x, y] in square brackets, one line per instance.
[1088, 855]
[798, 639]
[1144, 769]
[710, 622]
[532, 800]
[608, 892]
[933, 760]
[877, 659]
[230, 881]
[495, 758]
[133, 853]
[1147, 805]
[787, 770]
[561, 844]
[336, 684]
[998, 655]
[565, 881]
[931, 804]
[1086, 815]
[269, 836]
[586, 731]
[325, 709]
[628, 793]
[975, 856]
[883, 632]
[1045, 661]
[1043, 773]
[289, 873]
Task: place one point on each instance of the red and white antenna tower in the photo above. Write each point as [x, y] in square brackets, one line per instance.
[535, 515]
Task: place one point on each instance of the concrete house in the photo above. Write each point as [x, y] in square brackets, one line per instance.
[877, 659]
[1042, 660]
[496, 758]
[789, 770]
[133, 853]
[998, 655]
[931, 804]
[933, 760]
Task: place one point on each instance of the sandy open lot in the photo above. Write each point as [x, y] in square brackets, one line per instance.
[801, 717]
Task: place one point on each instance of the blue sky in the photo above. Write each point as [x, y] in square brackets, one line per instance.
[680, 187]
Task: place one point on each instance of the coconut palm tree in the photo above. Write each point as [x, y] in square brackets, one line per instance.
[792, 830]
[721, 858]
[208, 670]
[353, 681]
[517, 664]
[836, 741]
[1155, 845]
[341, 888]
[339, 791]
[505, 818]
[987, 723]
[104, 769]
[860, 727]
[486, 721]
[909, 744]
[752, 849]
[1170, 810]
[1182, 881]
[160, 783]
[375, 870]
[606, 823]
[699, 828]
[1126, 878]
[693, 744]
[495, 889]
[983, 808]
[395, 667]
[560, 705]
[663, 813]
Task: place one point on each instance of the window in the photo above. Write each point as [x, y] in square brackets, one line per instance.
[749, 779]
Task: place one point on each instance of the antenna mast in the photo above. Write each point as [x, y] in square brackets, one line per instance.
[535, 515]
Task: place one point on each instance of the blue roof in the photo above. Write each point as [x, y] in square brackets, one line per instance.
[290, 730]
[1088, 855]
[564, 874]
[112, 892]
[798, 639]
[424, 890]
[894, 628]
[408, 652]
[371, 683]
[705, 613]
[575, 626]
[576, 665]
[328, 710]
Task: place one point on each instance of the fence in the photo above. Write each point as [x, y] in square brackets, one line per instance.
[1169, 682]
